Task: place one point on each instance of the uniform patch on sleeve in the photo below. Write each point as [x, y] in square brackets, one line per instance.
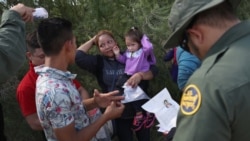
[191, 100]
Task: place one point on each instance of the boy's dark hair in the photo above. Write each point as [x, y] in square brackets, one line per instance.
[53, 33]
[135, 34]
[32, 42]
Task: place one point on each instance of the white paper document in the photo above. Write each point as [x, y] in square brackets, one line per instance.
[164, 108]
[40, 13]
[133, 94]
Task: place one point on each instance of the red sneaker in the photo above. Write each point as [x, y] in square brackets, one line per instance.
[150, 119]
[138, 122]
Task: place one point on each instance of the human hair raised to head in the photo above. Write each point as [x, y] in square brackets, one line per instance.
[32, 42]
[217, 16]
[134, 34]
[103, 32]
[53, 33]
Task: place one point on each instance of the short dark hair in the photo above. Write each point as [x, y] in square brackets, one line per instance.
[32, 42]
[135, 34]
[53, 33]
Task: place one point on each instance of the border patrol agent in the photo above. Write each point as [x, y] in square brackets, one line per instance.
[215, 103]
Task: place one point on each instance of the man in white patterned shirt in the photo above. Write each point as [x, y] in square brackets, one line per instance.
[61, 111]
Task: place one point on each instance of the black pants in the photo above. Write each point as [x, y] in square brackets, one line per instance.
[124, 132]
[123, 125]
[2, 136]
[137, 105]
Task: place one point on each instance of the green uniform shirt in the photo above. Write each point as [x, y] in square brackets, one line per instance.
[12, 44]
[215, 105]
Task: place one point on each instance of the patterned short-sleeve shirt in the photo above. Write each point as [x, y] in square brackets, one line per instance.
[58, 102]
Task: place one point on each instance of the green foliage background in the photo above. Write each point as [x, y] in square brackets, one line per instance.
[88, 17]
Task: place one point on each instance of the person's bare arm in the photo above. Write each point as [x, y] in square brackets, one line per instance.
[135, 79]
[87, 45]
[146, 75]
[34, 122]
[68, 133]
[83, 92]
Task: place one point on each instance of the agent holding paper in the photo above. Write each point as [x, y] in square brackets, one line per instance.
[107, 70]
[137, 58]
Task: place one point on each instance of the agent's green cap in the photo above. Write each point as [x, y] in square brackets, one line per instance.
[182, 13]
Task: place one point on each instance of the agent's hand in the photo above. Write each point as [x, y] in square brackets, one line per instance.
[25, 12]
[104, 99]
[114, 110]
[135, 79]
[116, 50]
